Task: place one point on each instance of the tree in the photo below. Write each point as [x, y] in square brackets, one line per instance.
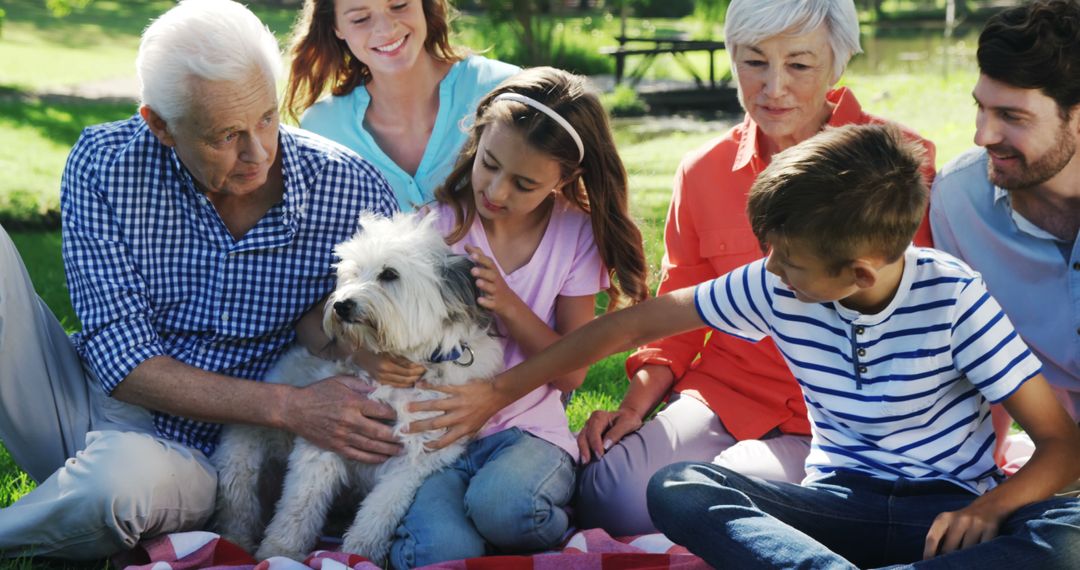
[535, 36]
[61, 8]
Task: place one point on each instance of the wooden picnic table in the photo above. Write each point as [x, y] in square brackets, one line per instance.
[650, 47]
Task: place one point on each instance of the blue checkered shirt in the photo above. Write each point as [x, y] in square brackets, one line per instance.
[153, 270]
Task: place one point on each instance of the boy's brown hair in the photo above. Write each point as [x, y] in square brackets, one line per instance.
[845, 192]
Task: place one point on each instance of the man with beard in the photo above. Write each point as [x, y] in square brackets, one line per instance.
[1011, 209]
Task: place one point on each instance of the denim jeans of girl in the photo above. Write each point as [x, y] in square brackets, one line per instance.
[846, 520]
[506, 493]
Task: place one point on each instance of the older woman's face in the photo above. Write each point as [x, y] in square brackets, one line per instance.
[783, 81]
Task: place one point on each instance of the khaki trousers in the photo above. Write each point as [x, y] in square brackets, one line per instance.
[106, 481]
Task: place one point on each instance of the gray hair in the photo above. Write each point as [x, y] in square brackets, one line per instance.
[209, 39]
[750, 22]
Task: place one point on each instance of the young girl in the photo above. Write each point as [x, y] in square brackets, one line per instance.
[538, 199]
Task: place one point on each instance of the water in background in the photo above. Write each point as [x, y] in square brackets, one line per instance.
[915, 48]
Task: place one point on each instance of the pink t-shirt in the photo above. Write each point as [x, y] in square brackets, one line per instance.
[566, 263]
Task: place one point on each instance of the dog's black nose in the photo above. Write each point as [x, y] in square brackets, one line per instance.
[344, 308]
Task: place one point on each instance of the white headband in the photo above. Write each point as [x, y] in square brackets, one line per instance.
[550, 113]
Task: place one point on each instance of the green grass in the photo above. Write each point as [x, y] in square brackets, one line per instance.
[940, 109]
[41, 254]
[37, 136]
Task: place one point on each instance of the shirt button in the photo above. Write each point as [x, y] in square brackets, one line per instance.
[224, 317]
[859, 330]
[862, 352]
[862, 370]
[1076, 266]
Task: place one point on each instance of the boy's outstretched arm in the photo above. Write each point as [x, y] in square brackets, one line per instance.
[467, 408]
[1055, 464]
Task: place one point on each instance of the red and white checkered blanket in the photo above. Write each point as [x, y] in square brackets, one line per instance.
[591, 549]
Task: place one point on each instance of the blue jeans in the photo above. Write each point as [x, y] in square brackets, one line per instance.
[843, 521]
[506, 493]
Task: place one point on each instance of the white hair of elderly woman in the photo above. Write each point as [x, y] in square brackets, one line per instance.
[749, 22]
[209, 39]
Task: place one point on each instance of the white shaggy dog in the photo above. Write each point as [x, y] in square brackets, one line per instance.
[401, 291]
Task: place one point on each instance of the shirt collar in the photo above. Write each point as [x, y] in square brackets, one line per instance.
[296, 192]
[903, 288]
[846, 110]
[1003, 200]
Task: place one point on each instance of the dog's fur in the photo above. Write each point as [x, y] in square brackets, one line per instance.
[400, 291]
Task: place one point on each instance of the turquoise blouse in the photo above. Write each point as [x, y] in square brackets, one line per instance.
[341, 119]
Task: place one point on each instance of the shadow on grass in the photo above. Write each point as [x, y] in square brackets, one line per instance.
[60, 118]
[107, 20]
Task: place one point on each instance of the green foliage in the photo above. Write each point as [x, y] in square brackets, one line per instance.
[624, 102]
[711, 10]
[526, 33]
[61, 8]
[662, 8]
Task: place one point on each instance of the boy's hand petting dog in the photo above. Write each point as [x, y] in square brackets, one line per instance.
[956, 530]
[604, 429]
[388, 369]
[336, 414]
[496, 296]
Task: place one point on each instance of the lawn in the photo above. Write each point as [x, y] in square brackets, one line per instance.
[98, 44]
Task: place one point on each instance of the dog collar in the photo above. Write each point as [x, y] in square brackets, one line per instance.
[453, 356]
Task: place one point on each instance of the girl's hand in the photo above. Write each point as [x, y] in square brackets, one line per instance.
[495, 295]
[604, 429]
[388, 369]
[465, 410]
[956, 530]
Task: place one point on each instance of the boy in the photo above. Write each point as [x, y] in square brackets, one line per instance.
[899, 352]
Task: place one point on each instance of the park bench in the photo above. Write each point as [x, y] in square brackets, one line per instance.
[649, 48]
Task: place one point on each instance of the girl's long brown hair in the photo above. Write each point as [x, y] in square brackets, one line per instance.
[597, 185]
[321, 60]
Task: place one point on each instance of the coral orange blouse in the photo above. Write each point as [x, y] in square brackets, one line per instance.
[707, 234]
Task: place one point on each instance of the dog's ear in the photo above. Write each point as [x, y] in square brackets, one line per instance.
[460, 292]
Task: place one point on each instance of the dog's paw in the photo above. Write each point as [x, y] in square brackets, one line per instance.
[271, 548]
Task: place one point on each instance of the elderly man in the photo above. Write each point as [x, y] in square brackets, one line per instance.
[196, 236]
[1011, 209]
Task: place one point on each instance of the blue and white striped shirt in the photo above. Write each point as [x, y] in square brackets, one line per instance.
[902, 393]
[153, 270]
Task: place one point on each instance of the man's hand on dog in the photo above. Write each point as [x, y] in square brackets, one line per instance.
[336, 414]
